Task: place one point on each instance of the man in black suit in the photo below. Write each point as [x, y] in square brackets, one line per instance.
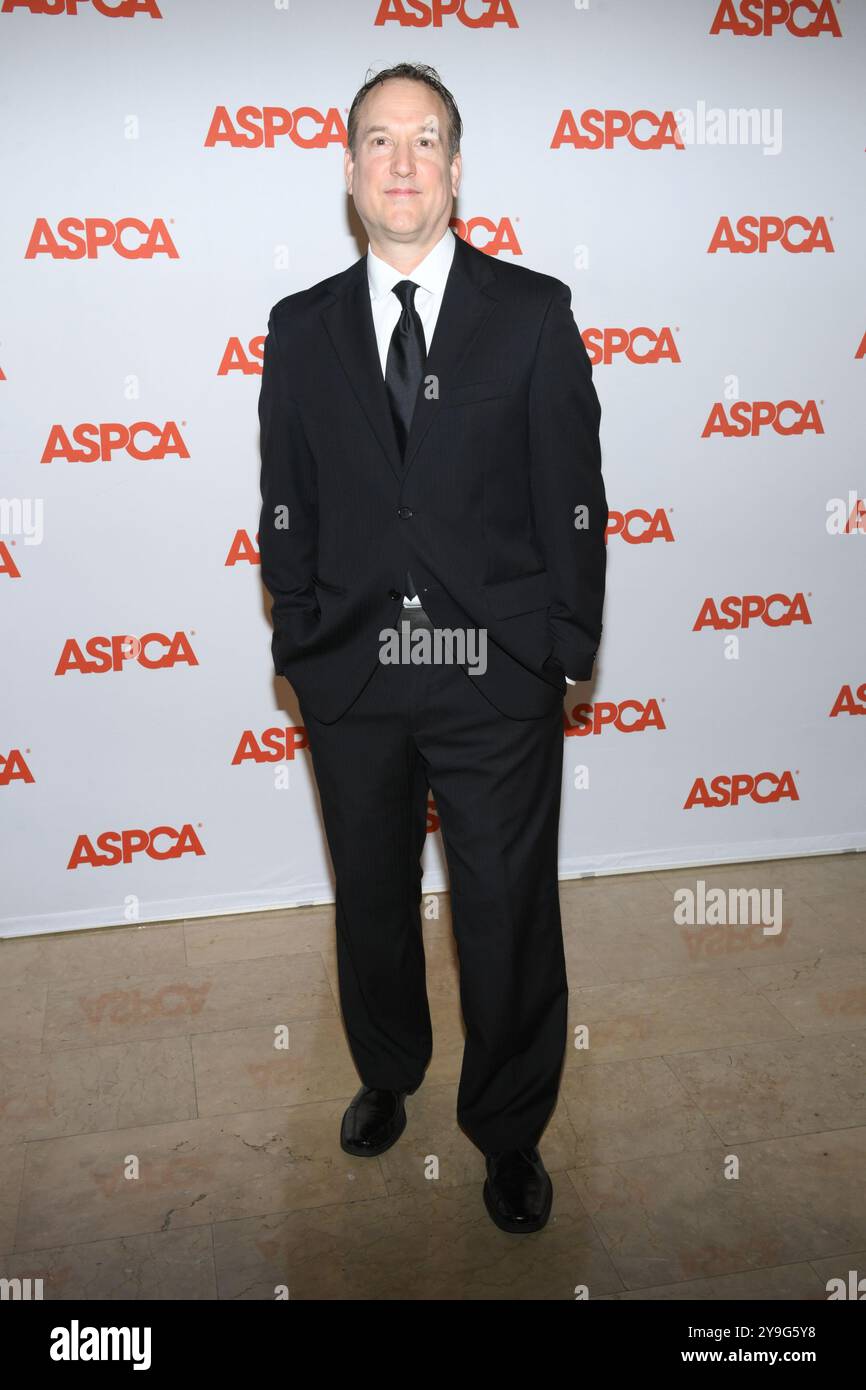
[430, 459]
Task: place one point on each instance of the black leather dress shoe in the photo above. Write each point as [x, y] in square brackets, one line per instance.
[518, 1192]
[373, 1122]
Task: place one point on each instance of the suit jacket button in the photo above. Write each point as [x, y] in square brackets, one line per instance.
[394, 593]
[404, 513]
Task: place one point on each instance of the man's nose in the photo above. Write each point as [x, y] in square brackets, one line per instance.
[403, 161]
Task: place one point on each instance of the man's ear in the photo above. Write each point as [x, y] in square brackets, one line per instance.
[456, 173]
[348, 165]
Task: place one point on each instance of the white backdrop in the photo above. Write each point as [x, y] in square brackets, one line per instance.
[179, 755]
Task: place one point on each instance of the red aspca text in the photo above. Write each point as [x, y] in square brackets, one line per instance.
[756, 234]
[110, 9]
[256, 126]
[276, 745]
[847, 703]
[101, 442]
[639, 527]
[599, 130]
[243, 549]
[750, 417]
[501, 235]
[8, 567]
[119, 846]
[603, 344]
[418, 14]
[729, 789]
[805, 19]
[629, 717]
[112, 653]
[855, 524]
[246, 360]
[80, 238]
[13, 768]
[777, 610]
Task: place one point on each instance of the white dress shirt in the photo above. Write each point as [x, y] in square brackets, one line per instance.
[430, 276]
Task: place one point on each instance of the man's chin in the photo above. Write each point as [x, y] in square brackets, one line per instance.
[403, 228]
[403, 219]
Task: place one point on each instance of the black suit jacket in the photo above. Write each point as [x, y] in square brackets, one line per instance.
[504, 447]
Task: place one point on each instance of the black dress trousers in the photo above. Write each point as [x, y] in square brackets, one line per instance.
[497, 784]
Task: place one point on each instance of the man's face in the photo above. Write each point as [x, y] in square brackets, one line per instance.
[402, 181]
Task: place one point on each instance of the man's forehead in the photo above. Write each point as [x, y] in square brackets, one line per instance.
[421, 98]
[429, 122]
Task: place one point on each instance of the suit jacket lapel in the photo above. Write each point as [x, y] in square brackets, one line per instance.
[349, 321]
[466, 303]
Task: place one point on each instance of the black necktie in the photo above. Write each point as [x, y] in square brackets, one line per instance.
[407, 354]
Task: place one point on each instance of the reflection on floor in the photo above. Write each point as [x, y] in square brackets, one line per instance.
[159, 1139]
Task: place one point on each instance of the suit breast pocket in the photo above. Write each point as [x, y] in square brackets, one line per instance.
[469, 392]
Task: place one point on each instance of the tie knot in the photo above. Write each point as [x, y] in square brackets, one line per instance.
[405, 292]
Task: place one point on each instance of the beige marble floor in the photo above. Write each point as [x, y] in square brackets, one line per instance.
[170, 1100]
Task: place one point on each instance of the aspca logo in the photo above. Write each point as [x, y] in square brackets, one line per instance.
[763, 788]
[847, 702]
[639, 527]
[121, 846]
[750, 417]
[645, 346]
[600, 130]
[14, 768]
[155, 651]
[861, 351]
[846, 518]
[109, 9]
[415, 14]
[274, 746]
[491, 238]
[258, 127]
[82, 238]
[142, 440]
[8, 567]
[757, 234]
[243, 549]
[735, 611]
[244, 358]
[805, 19]
[628, 717]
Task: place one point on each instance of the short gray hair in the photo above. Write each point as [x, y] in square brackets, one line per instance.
[413, 72]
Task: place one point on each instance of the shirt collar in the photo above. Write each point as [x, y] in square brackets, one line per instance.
[430, 274]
